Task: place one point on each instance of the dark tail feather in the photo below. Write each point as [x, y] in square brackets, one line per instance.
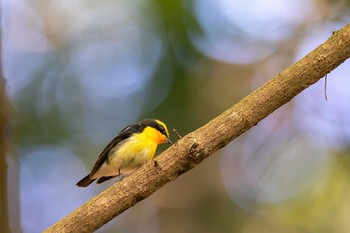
[85, 181]
[104, 178]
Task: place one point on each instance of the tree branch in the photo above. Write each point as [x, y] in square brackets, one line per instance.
[198, 145]
[5, 118]
[4, 124]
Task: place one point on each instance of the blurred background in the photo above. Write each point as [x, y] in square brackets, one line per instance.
[79, 71]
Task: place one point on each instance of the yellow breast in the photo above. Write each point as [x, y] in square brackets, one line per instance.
[131, 153]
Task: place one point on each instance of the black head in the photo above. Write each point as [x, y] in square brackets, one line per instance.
[156, 124]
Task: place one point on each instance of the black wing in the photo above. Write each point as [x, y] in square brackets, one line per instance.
[121, 136]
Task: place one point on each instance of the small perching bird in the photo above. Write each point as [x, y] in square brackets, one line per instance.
[131, 148]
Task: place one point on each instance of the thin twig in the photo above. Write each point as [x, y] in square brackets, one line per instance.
[325, 87]
[177, 134]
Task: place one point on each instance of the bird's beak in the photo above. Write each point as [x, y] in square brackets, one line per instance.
[169, 141]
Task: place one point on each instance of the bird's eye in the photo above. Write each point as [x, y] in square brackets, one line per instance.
[162, 130]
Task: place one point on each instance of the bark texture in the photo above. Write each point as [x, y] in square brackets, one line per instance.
[198, 145]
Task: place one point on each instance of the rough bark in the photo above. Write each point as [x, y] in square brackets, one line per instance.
[198, 145]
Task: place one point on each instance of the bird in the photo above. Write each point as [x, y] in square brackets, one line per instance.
[129, 149]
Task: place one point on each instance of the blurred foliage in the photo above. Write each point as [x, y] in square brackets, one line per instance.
[79, 71]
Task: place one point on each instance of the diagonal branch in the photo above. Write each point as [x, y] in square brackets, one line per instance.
[198, 145]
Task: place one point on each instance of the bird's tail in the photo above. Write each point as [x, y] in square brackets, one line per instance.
[85, 181]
